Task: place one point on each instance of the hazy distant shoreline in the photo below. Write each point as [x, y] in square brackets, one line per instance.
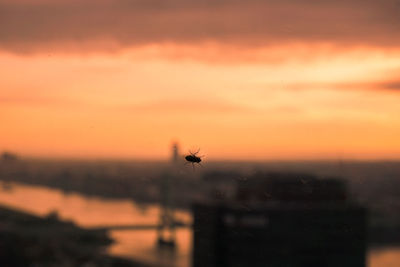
[375, 184]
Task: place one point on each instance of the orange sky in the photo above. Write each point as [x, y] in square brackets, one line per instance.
[291, 99]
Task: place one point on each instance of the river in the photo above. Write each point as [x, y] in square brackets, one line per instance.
[138, 244]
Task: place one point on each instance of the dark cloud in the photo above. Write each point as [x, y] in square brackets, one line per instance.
[383, 85]
[390, 84]
[29, 26]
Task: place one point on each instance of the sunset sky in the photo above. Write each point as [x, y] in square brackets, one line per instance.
[272, 79]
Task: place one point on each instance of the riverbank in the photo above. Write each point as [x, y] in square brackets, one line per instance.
[30, 240]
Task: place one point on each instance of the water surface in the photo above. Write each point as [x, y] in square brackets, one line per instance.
[139, 245]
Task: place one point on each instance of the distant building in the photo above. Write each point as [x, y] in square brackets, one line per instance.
[281, 220]
[166, 230]
[7, 156]
[175, 158]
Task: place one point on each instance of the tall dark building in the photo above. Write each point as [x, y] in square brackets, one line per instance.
[281, 220]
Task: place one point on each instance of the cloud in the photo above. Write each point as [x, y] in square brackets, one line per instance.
[35, 101]
[27, 26]
[374, 85]
[390, 85]
[186, 106]
[393, 85]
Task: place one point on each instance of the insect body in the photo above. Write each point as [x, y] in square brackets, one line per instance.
[193, 158]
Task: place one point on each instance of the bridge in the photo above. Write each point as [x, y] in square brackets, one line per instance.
[131, 227]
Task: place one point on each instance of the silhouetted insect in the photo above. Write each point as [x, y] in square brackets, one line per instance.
[193, 158]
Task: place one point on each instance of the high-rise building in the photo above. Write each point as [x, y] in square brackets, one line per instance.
[166, 230]
[281, 220]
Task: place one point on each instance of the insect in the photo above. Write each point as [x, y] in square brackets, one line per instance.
[193, 158]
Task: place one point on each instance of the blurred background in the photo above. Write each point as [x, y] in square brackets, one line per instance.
[293, 104]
